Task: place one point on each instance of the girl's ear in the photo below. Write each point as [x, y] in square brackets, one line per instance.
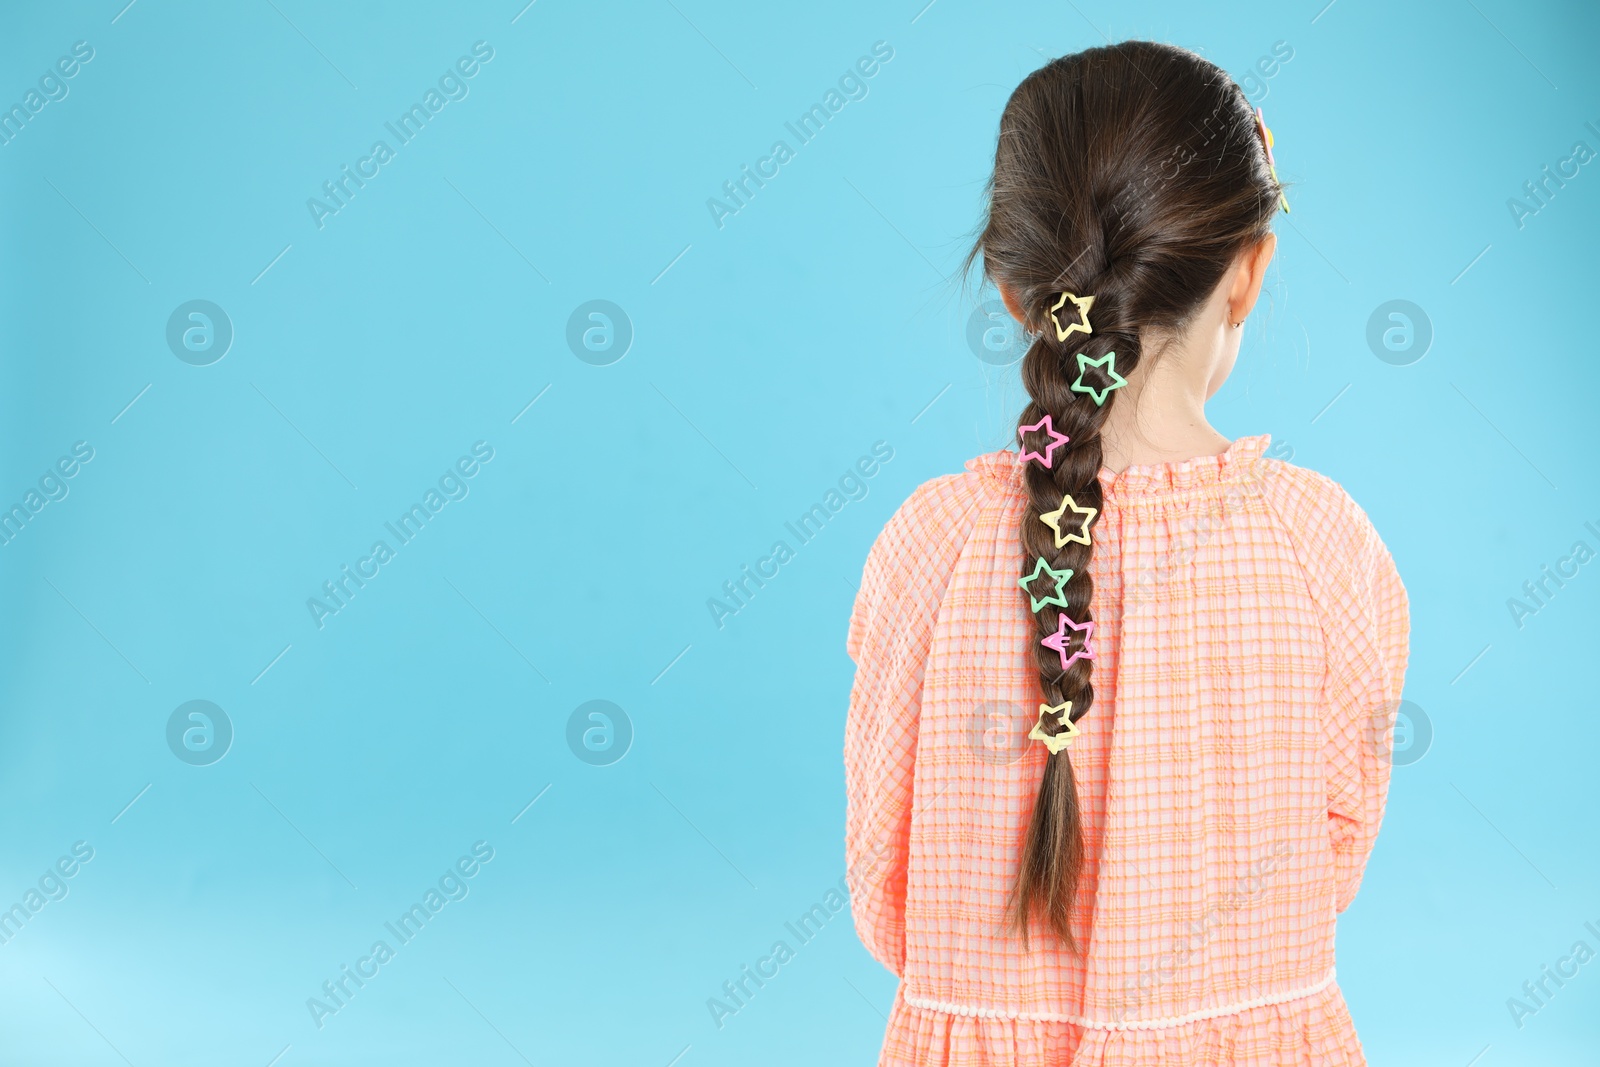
[1249, 273]
[1012, 306]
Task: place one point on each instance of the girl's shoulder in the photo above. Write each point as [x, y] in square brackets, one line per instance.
[940, 511]
[1345, 560]
[1314, 508]
[913, 557]
[946, 507]
[1249, 463]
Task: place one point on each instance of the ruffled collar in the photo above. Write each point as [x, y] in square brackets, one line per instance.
[1150, 479]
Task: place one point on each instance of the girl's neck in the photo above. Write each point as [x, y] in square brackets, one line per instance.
[1160, 416]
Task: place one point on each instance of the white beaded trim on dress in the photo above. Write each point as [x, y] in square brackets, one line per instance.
[1140, 1024]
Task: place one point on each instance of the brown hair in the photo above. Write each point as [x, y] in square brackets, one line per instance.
[1134, 173]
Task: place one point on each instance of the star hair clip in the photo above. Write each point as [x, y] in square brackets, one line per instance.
[1083, 304]
[1266, 141]
[1106, 363]
[1060, 578]
[1055, 742]
[1061, 640]
[1085, 516]
[1057, 439]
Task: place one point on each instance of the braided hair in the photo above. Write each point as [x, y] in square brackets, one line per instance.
[1134, 173]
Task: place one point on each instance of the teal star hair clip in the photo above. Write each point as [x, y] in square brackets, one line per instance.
[1061, 578]
[1107, 363]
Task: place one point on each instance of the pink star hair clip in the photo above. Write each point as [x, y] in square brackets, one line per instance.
[1047, 457]
[1061, 639]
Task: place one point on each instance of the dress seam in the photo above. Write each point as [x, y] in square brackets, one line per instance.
[981, 1012]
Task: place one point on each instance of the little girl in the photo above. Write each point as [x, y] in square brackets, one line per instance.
[1110, 817]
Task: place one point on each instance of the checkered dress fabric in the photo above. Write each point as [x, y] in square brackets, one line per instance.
[1251, 639]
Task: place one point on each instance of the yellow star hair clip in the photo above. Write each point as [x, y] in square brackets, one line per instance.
[1083, 304]
[1052, 519]
[1055, 742]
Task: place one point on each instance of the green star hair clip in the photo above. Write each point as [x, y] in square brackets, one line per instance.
[1061, 578]
[1107, 363]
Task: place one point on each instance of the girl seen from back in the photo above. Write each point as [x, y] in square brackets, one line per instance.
[1110, 817]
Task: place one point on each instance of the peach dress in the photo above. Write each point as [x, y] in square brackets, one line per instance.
[1251, 639]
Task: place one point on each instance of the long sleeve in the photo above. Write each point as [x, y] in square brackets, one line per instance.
[1366, 615]
[891, 631]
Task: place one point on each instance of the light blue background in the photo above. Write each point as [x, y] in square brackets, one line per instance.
[774, 351]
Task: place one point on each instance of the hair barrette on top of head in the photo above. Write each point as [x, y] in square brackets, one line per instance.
[1266, 140]
[1083, 304]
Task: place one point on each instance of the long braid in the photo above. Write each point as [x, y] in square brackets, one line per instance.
[1053, 855]
[1135, 173]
